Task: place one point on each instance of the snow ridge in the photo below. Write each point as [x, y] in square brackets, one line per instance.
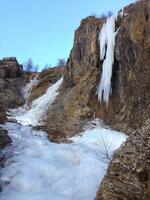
[107, 45]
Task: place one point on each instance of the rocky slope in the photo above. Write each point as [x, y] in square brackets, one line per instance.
[10, 85]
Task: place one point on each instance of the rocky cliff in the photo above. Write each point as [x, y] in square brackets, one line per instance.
[128, 176]
[128, 108]
[129, 101]
[71, 108]
[10, 84]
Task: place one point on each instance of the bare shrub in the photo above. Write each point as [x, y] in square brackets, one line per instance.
[103, 150]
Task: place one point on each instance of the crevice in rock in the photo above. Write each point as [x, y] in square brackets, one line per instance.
[114, 79]
[146, 14]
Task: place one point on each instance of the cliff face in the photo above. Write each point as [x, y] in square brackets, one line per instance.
[10, 93]
[128, 176]
[129, 102]
[128, 108]
[81, 75]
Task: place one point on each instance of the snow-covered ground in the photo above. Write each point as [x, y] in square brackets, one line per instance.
[41, 170]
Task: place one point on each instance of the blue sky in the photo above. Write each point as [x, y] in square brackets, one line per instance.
[44, 29]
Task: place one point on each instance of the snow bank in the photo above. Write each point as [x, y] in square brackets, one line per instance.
[39, 107]
[107, 44]
[41, 170]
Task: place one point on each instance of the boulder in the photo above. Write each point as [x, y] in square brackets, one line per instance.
[10, 68]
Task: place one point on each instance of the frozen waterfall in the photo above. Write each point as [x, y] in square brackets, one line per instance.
[35, 115]
[27, 89]
[107, 44]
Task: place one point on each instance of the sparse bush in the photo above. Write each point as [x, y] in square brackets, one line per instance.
[28, 66]
[106, 15]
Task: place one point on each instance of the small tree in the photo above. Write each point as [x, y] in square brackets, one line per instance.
[36, 68]
[110, 13]
[28, 66]
[47, 66]
[61, 62]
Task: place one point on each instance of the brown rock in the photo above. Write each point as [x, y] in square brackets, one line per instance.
[10, 68]
[71, 110]
[78, 100]
[10, 85]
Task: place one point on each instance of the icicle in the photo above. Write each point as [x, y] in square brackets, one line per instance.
[107, 40]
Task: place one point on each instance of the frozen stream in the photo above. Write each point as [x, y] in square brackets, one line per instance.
[41, 170]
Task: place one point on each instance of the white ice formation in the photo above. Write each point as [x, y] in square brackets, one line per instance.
[107, 44]
[39, 107]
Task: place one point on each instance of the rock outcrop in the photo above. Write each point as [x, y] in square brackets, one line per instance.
[10, 85]
[10, 68]
[82, 72]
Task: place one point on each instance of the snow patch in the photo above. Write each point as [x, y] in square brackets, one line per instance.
[107, 44]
